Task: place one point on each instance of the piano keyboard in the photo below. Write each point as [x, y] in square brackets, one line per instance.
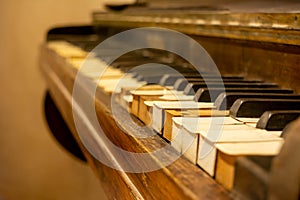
[211, 127]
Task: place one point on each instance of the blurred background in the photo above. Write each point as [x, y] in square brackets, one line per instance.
[32, 164]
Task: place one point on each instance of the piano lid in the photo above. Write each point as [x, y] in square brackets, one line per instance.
[230, 6]
[262, 21]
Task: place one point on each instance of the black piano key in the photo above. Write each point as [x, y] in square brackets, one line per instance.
[233, 80]
[277, 120]
[214, 79]
[182, 83]
[149, 79]
[87, 45]
[231, 77]
[130, 63]
[226, 99]
[256, 107]
[192, 88]
[211, 94]
[149, 72]
[170, 79]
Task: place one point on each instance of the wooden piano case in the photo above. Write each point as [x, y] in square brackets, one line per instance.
[255, 45]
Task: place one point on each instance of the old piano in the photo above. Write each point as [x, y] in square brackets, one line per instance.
[131, 97]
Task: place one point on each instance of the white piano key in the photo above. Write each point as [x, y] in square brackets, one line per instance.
[207, 144]
[177, 97]
[176, 133]
[159, 108]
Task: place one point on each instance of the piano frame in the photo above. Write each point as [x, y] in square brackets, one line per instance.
[263, 40]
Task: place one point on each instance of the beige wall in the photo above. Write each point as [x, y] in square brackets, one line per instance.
[32, 165]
